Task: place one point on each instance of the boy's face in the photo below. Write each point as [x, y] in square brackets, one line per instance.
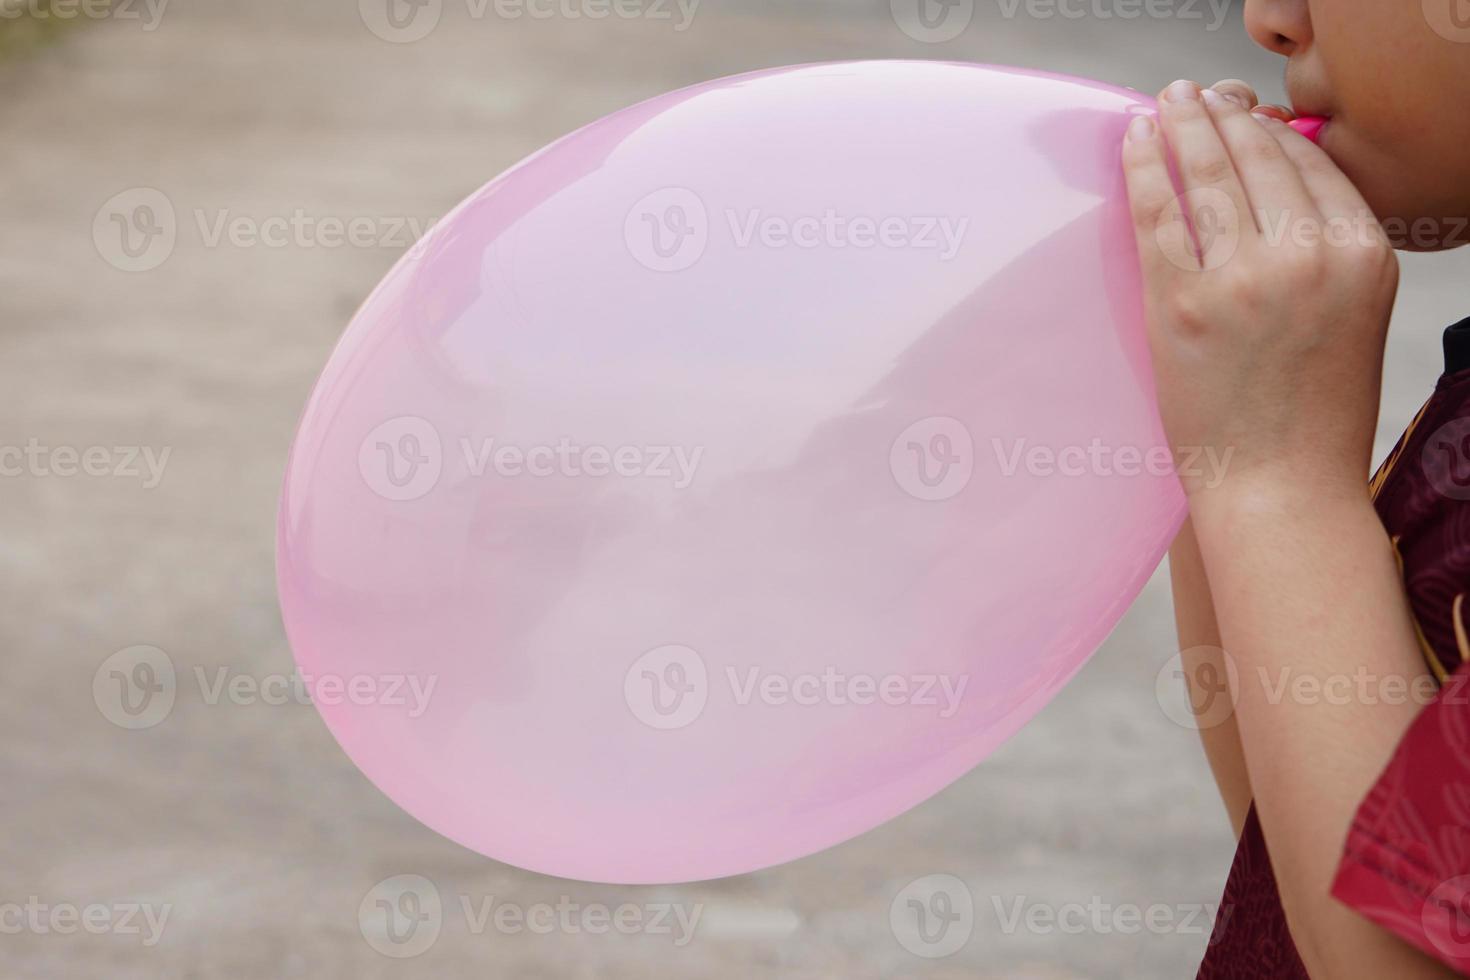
[1394, 76]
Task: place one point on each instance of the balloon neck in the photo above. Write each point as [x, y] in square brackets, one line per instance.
[1309, 126]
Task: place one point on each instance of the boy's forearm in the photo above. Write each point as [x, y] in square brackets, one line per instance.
[1199, 643]
[1310, 605]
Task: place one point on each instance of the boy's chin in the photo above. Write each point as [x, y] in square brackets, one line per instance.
[1411, 221]
[1418, 226]
[1395, 189]
[1408, 245]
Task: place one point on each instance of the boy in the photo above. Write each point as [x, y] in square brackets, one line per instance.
[1268, 338]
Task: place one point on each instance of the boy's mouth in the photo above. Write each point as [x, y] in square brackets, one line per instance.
[1312, 116]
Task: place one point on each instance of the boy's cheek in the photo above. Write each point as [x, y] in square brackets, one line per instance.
[1398, 87]
[1418, 197]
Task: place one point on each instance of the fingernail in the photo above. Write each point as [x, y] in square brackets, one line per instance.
[1212, 98]
[1182, 91]
[1141, 128]
[1237, 98]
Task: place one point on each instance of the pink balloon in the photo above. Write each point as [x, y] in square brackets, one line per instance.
[736, 472]
[1310, 126]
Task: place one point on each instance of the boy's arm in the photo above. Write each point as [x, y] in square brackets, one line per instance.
[1271, 347]
[1206, 673]
[1307, 592]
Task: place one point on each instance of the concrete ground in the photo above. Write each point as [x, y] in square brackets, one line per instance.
[243, 822]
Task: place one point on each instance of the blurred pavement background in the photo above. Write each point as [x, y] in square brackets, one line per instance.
[245, 822]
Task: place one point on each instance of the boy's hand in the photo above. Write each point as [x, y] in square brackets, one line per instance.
[1244, 96]
[1267, 285]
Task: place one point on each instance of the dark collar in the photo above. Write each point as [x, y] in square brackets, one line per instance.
[1457, 347]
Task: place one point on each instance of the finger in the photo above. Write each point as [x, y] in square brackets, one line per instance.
[1152, 199]
[1212, 188]
[1275, 112]
[1273, 185]
[1331, 191]
[1238, 92]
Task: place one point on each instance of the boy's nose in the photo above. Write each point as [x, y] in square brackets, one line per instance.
[1282, 26]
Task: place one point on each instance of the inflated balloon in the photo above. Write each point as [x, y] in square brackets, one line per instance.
[736, 472]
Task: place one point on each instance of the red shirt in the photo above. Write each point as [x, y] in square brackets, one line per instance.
[1406, 863]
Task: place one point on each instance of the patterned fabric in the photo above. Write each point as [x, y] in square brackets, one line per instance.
[1406, 865]
[1407, 862]
[1251, 941]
